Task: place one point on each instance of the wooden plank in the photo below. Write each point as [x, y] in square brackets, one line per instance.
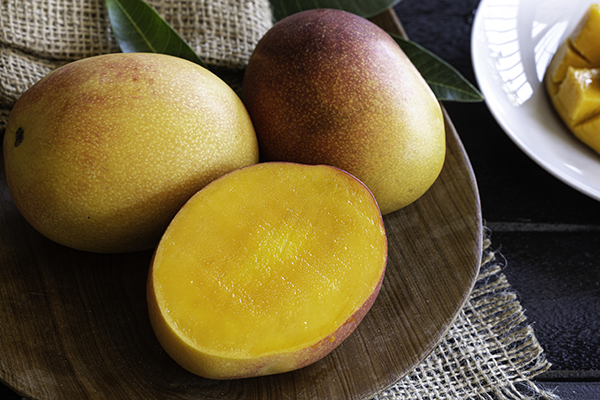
[573, 390]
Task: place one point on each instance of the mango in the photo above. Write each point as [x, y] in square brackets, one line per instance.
[588, 132]
[573, 79]
[266, 270]
[103, 152]
[329, 87]
[564, 58]
[578, 96]
[585, 36]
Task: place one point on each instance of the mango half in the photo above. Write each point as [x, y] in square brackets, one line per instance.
[266, 270]
[573, 80]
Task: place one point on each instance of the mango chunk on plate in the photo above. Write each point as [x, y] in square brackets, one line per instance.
[578, 96]
[586, 36]
[564, 58]
[588, 131]
[573, 79]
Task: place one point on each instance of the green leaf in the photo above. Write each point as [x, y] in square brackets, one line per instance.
[138, 28]
[445, 81]
[364, 8]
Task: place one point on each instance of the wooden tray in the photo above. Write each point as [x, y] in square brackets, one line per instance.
[74, 325]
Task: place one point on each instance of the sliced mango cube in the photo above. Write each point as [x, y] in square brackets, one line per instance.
[564, 58]
[589, 132]
[586, 36]
[573, 79]
[578, 96]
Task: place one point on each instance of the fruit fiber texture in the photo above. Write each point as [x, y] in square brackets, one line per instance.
[329, 87]
[266, 270]
[101, 153]
[573, 79]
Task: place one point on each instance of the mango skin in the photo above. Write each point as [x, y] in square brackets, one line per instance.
[329, 87]
[101, 153]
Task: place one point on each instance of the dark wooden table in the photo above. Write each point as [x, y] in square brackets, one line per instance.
[548, 232]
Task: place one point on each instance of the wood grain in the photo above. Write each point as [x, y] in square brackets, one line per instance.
[75, 325]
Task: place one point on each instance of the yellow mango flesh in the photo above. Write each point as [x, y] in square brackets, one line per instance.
[578, 97]
[588, 132]
[266, 270]
[586, 36]
[558, 70]
[572, 79]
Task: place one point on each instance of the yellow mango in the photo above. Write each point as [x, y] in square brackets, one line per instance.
[564, 58]
[101, 153]
[266, 270]
[589, 132]
[585, 37]
[573, 79]
[578, 96]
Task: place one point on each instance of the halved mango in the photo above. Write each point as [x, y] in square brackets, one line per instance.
[266, 270]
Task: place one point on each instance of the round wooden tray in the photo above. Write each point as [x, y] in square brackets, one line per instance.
[74, 325]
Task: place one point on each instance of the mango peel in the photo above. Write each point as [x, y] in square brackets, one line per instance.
[101, 153]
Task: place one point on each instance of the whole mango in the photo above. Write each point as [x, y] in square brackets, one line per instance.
[329, 87]
[103, 152]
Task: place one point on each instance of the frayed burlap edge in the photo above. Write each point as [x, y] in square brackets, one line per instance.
[490, 351]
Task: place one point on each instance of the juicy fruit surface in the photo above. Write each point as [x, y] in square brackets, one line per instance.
[329, 87]
[102, 153]
[573, 79]
[578, 96]
[266, 269]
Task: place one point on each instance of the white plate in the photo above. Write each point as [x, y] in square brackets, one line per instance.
[512, 43]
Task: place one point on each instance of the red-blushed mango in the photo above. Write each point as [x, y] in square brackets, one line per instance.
[329, 87]
[101, 153]
[266, 270]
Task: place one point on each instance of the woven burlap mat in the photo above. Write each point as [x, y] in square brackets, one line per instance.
[490, 352]
[39, 36]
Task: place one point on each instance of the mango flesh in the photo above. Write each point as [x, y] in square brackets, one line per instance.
[578, 97]
[565, 57]
[329, 87]
[101, 153]
[266, 270]
[585, 36]
[573, 79]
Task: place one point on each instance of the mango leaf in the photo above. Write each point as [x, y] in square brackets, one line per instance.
[445, 81]
[137, 27]
[364, 8]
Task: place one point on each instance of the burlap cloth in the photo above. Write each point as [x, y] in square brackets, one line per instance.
[490, 352]
[38, 36]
